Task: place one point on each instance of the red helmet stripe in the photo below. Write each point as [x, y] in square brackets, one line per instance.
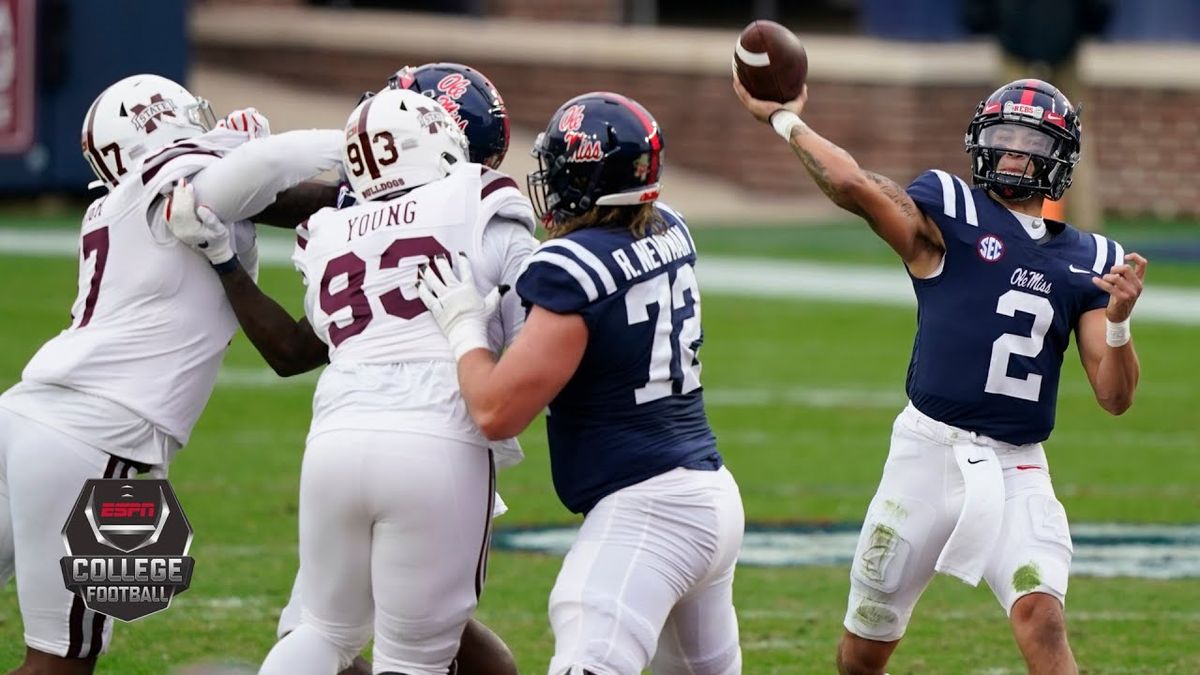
[652, 135]
[507, 135]
[1028, 94]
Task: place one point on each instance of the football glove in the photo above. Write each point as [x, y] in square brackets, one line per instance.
[248, 121]
[197, 226]
[457, 307]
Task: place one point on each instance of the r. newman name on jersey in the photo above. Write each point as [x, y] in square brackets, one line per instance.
[634, 406]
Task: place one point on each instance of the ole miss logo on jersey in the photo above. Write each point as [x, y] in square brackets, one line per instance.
[990, 248]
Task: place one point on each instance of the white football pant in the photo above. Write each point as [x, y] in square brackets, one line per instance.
[42, 472]
[649, 580]
[289, 617]
[915, 510]
[394, 534]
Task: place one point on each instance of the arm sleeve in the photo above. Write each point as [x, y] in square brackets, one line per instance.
[506, 245]
[246, 181]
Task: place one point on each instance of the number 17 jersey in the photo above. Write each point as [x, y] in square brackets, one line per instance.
[634, 407]
[994, 323]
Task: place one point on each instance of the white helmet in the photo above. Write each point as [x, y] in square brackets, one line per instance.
[398, 140]
[135, 117]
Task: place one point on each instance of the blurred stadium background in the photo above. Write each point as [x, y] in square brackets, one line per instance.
[808, 318]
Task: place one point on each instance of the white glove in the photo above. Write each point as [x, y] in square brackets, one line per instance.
[197, 226]
[248, 121]
[455, 304]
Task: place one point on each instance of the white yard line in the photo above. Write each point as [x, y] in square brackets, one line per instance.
[966, 615]
[807, 397]
[868, 284]
[1101, 549]
[719, 275]
[257, 377]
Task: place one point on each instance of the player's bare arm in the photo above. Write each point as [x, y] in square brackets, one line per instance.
[297, 203]
[289, 346]
[505, 396]
[885, 205]
[1105, 345]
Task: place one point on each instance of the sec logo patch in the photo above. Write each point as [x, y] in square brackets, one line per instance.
[990, 248]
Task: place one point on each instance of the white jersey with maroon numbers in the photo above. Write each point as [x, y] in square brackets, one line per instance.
[360, 268]
[150, 323]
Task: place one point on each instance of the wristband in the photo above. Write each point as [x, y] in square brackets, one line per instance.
[468, 343]
[784, 121]
[226, 267]
[1118, 334]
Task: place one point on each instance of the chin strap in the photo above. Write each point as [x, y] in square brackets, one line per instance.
[1011, 193]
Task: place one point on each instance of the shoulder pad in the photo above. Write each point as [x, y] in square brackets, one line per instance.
[939, 193]
[1106, 252]
[563, 276]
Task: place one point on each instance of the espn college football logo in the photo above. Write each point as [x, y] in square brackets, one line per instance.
[127, 543]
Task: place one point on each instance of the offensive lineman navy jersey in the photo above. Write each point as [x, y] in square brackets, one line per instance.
[993, 325]
[634, 408]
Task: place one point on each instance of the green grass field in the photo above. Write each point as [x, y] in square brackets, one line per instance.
[795, 462]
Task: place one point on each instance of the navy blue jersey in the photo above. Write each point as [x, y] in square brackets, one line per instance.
[992, 327]
[634, 408]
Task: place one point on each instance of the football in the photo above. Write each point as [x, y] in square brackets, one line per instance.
[770, 62]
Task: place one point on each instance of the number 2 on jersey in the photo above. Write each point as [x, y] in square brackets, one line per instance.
[1028, 388]
[355, 270]
[673, 364]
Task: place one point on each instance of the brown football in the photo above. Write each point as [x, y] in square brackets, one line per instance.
[770, 62]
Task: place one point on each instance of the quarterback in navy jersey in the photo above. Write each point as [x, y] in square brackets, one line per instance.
[610, 346]
[966, 488]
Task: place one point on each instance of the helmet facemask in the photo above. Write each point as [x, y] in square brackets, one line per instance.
[1024, 140]
[600, 149]
[1017, 161]
[557, 189]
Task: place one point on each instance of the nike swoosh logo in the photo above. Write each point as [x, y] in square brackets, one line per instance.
[1077, 270]
[975, 461]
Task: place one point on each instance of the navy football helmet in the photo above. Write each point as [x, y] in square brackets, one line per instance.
[1028, 118]
[600, 149]
[471, 100]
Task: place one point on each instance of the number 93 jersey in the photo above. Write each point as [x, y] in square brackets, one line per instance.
[993, 324]
[391, 368]
[634, 407]
[360, 267]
